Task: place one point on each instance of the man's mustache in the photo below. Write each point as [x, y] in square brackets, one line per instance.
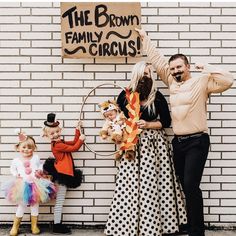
[178, 76]
[178, 73]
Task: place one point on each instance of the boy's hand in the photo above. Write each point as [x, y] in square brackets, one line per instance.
[79, 125]
[82, 137]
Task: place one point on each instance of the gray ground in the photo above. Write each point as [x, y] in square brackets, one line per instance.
[98, 232]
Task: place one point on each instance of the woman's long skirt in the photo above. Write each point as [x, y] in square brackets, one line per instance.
[147, 200]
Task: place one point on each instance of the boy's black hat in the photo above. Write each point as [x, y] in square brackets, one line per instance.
[50, 122]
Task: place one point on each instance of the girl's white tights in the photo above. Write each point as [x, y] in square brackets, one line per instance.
[21, 210]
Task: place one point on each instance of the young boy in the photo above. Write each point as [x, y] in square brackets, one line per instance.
[62, 168]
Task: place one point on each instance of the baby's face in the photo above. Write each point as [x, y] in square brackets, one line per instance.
[111, 115]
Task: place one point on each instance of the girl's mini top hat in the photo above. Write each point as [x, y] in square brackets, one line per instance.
[50, 122]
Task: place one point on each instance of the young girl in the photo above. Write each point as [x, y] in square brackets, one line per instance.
[29, 186]
[62, 167]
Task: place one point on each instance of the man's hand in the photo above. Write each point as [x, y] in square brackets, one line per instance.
[142, 33]
[199, 66]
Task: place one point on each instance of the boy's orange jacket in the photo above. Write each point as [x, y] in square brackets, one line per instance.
[62, 152]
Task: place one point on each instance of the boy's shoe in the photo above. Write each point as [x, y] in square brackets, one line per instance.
[60, 229]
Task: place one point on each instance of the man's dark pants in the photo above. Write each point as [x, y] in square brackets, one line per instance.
[190, 156]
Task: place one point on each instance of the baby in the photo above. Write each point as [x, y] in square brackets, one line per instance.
[114, 121]
[115, 127]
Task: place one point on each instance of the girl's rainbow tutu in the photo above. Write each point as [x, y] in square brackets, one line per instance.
[19, 191]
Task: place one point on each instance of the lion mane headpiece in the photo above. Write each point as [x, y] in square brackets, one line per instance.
[108, 105]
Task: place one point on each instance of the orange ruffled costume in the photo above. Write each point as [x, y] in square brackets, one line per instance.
[131, 130]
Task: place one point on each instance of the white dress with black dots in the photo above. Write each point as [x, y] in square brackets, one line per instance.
[147, 200]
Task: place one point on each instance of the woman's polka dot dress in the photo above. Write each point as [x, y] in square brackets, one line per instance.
[147, 200]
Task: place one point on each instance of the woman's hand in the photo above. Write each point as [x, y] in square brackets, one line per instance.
[142, 124]
[142, 33]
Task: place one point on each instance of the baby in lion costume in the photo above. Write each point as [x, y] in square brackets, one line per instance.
[122, 131]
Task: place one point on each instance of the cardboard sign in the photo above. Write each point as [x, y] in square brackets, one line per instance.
[100, 29]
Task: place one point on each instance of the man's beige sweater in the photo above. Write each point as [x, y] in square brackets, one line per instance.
[188, 99]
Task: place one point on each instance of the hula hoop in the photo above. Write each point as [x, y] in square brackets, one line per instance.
[80, 117]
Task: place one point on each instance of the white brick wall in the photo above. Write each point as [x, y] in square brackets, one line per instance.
[35, 80]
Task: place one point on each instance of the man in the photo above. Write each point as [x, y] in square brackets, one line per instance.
[188, 97]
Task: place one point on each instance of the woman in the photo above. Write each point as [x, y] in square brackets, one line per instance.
[147, 199]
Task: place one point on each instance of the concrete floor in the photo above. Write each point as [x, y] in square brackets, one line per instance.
[98, 232]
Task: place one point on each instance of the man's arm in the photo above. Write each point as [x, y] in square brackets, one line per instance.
[159, 62]
[218, 80]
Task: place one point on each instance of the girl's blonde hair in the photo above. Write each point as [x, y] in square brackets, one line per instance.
[137, 74]
[30, 142]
